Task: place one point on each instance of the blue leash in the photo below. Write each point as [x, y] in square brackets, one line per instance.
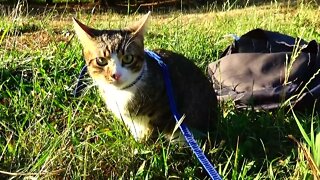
[184, 129]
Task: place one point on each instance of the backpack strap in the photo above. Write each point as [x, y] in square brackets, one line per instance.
[262, 41]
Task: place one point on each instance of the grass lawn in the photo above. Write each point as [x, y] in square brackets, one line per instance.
[47, 133]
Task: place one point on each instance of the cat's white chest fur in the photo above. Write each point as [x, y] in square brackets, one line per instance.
[116, 101]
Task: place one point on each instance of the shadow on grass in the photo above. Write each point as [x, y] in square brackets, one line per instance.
[10, 81]
[27, 104]
[262, 137]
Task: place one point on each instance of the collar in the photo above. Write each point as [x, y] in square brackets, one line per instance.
[136, 80]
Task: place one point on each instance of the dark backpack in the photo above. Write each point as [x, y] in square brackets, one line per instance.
[265, 70]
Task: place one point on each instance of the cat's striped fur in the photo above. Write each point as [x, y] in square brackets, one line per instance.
[132, 85]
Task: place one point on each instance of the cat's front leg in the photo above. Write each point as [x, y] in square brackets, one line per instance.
[139, 127]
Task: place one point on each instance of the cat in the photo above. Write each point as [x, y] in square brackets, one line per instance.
[132, 85]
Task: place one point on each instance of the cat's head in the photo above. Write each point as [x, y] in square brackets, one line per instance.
[114, 56]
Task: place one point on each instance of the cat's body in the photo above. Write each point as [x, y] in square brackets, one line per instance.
[135, 92]
[146, 105]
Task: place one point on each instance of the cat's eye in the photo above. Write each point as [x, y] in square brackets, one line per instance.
[127, 59]
[101, 61]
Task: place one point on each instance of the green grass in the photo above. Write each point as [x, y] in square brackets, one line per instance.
[47, 133]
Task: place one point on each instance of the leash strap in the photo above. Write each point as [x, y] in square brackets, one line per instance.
[184, 129]
[80, 84]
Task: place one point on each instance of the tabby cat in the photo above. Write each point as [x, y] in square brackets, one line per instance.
[132, 85]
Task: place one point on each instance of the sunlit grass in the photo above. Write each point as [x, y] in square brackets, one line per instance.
[46, 132]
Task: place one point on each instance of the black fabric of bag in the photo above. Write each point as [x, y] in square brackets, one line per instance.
[264, 69]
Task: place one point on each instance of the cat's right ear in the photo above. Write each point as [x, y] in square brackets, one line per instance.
[140, 27]
[85, 34]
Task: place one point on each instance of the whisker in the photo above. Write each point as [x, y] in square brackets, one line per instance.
[86, 79]
[87, 88]
[128, 42]
[124, 42]
[83, 85]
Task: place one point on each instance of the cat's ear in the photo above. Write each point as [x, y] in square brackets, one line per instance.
[140, 27]
[85, 34]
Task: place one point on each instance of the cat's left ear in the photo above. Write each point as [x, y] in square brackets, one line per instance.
[140, 27]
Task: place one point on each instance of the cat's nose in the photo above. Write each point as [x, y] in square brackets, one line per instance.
[116, 76]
